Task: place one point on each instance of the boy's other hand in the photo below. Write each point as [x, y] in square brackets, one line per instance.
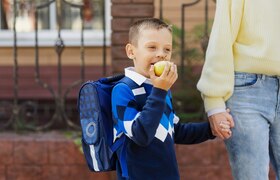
[166, 79]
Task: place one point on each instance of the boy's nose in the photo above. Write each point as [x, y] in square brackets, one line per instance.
[161, 55]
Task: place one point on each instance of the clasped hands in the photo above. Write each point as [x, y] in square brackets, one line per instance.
[221, 123]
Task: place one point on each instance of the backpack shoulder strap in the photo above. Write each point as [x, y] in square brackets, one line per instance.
[140, 97]
[138, 92]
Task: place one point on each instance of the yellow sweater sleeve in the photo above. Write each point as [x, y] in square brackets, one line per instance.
[217, 78]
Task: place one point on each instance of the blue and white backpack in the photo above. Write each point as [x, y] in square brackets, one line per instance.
[94, 105]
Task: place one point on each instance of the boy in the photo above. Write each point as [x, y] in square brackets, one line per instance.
[152, 129]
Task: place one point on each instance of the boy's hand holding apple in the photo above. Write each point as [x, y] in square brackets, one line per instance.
[159, 67]
[163, 74]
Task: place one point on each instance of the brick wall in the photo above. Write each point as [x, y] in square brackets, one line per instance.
[29, 89]
[47, 156]
[208, 160]
[124, 13]
[52, 156]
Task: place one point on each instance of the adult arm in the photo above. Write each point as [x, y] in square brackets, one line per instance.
[217, 78]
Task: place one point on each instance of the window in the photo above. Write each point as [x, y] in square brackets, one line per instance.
[48, 18]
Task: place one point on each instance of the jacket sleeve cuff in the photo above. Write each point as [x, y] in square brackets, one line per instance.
[215, 111]
[211, 103]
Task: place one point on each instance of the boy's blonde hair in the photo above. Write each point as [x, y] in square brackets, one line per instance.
[149, 23]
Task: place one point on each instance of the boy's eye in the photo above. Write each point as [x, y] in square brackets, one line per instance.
[152, 47]
[168, 50]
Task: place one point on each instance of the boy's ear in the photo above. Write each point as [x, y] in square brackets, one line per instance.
[129, 48]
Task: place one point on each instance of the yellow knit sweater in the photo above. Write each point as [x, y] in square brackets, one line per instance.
[246, 38]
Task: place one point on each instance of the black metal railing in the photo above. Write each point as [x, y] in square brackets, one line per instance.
[25, 114]
[205, 38]
[190, 44]
[56, 112]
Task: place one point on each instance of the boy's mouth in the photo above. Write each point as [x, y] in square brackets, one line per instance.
[153, 63]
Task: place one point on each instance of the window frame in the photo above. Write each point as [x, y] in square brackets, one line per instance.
[47, 38]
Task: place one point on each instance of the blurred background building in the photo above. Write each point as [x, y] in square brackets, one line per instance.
[49, 47]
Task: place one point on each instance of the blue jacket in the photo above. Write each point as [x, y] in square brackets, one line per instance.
[151, 131]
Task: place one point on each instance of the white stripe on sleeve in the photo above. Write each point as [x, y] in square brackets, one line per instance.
[176, 119]
[138, 91]
[128, 125]
[161, 133]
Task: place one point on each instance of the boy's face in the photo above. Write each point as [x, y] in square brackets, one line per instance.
[152, 46]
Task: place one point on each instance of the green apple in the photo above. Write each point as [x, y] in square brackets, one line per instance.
[159, 67]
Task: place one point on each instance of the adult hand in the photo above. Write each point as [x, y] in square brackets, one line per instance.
[220, 124]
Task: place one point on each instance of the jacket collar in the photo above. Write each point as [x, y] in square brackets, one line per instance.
[136, 77]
